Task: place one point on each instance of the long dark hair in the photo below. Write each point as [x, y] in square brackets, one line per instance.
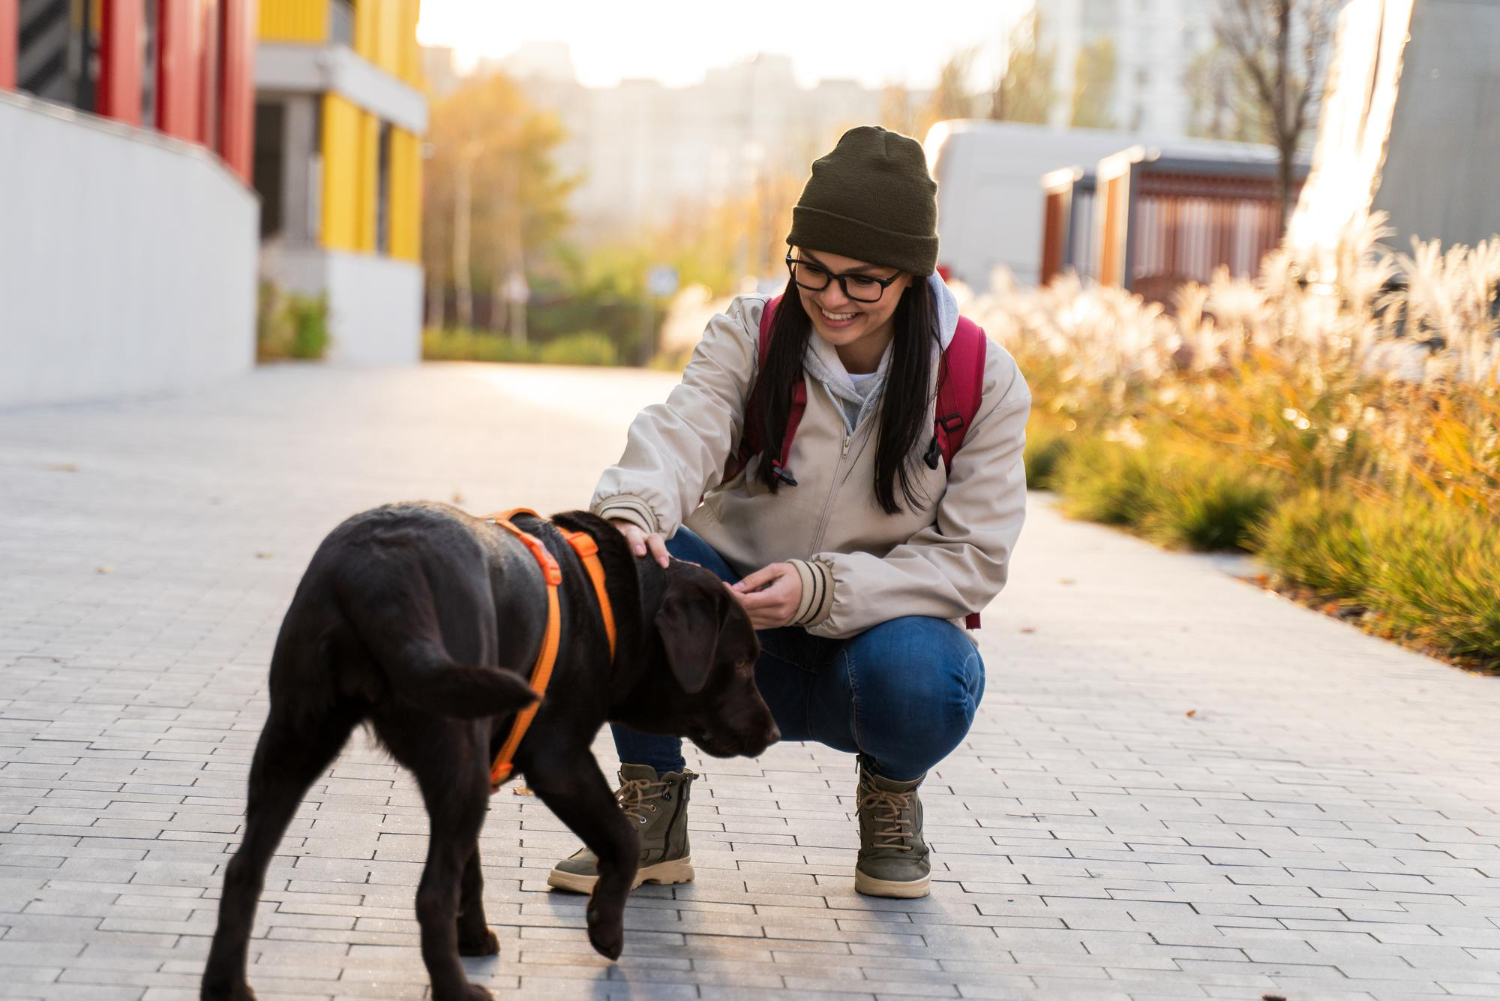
[904, 403]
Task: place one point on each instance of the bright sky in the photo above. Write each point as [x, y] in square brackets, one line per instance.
[674, 41]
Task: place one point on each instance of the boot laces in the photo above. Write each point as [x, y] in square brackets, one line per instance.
[634, 797]
[894, 825]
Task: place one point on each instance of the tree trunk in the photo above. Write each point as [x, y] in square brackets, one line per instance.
[437, 312]
[463, 305]
[1286, 136]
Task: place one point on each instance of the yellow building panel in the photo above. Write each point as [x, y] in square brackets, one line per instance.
[294, 21]
[406, 196]
[369, 181]
[411, 52]
[342, 148]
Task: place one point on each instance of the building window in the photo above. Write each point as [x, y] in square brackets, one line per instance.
[270, 124]
[383, 191]
[150, 61]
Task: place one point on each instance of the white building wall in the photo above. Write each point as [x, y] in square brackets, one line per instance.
[127, 260]
[1155, 43]
[644, 149]
[374, 303]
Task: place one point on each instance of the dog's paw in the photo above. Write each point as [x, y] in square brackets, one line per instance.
[477, 993]
[606, 936]
[483, 944]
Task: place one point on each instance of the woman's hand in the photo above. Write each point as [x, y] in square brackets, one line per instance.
[771, 595]
[642, 542]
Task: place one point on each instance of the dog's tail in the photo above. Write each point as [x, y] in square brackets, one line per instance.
[399, 627]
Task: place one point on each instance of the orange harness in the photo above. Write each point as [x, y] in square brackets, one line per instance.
[541, 673]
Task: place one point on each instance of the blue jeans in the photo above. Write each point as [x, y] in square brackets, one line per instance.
[902, 694]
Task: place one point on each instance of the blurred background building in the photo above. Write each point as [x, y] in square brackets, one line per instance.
[1147, 49]
[127, 251]
[340, 115]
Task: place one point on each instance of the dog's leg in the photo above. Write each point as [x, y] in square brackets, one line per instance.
[287, 760]
[577, 792]
[456, 801]
[474, 935]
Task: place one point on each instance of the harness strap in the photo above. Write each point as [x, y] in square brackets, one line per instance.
[541, 673]
[588, 552]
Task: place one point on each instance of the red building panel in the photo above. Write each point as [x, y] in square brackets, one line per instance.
[179, 88]
[237, 85]
[10, 40]
[119, 87]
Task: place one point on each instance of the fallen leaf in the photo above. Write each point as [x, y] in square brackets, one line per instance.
[104, 570]
[521, 790]
[262, 555]
[1028, 629]
[1066, 580]
[1191, 713]
[62, 467]
[458, 498]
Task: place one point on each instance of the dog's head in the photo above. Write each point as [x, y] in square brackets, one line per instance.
[705, 689]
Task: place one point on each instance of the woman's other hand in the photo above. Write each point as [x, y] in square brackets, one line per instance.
[771, 595]
[642, 542]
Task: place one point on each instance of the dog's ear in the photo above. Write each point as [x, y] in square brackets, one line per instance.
[689, 622]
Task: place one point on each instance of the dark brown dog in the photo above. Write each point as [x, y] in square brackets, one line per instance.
[409, 618]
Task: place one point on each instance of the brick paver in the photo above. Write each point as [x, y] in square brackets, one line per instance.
[1324, 826]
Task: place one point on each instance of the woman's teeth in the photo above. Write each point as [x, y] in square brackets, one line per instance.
[837, 317]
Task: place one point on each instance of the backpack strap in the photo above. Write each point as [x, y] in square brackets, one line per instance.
[960, 387]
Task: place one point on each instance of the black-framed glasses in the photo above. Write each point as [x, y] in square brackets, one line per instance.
[815, 278]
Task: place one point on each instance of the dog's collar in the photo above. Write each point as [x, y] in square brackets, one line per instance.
[588, 553]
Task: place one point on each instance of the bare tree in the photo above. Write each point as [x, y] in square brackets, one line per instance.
[1280, 45]
[1024, 92]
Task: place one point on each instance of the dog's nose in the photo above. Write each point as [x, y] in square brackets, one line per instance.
[774, 735]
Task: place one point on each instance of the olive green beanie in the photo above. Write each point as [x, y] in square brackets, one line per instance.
[871, 199]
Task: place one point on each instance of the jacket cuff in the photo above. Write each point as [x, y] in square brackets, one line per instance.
[817, 592]
[628, 507]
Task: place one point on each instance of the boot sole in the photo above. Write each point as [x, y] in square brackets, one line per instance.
[662, 874]
[901, 889]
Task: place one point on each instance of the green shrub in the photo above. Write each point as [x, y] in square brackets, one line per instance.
[1433, 576]
[469, 345]
[1046, 443]
[1104, 481]
[1426, 571]
[1196, 504]
[307, 318]
[1314, 540]
[579, 349]
[288, 325]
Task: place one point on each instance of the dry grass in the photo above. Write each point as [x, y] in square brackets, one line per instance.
[1313, 421]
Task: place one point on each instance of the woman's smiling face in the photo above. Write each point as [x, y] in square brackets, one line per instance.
[840, 320]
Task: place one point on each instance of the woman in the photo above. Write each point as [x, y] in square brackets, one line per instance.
[858, 559]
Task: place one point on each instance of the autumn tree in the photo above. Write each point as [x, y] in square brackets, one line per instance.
[1024, 92]
[1094, 85]
[1221, 99]
[1280, 46]
[495, 200]
[913, 113]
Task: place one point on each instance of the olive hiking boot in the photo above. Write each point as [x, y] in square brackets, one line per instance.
[892, 855]
[657, 805]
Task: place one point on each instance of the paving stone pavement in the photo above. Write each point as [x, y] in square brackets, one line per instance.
[1177, 787]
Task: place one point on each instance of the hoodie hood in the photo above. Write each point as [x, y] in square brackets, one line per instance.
[823, 363]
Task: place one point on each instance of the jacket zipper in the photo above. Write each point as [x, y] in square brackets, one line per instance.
[837, 469]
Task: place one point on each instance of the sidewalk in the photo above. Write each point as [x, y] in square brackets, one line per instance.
[1178, 786]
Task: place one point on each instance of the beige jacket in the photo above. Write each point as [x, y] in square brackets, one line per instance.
[859, 566]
